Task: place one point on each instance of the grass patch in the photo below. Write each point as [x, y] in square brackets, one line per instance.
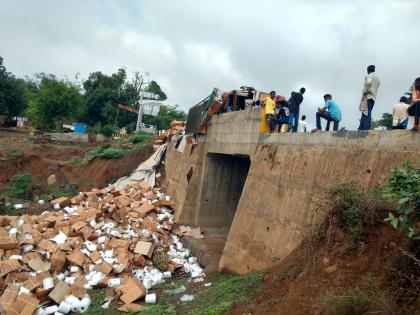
[355, 210]
[10, 154]
[21, 186]
[141, 140]
[365, 298]
[226, 290]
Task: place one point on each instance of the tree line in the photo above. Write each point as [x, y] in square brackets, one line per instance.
[48, 101]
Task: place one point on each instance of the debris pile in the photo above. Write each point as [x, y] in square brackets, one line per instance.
[176, 129]
[121, 240]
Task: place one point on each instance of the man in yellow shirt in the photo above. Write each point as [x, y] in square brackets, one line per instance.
[269, 106]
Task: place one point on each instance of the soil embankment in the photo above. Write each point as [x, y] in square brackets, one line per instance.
[43, 160]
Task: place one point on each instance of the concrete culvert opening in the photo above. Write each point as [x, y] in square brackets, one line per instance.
[223, 181]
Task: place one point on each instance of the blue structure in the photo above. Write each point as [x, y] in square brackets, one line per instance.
[80, 127]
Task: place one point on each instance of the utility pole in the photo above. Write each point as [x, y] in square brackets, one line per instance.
[140, 115]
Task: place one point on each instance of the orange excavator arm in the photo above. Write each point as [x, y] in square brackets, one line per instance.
[128, 109]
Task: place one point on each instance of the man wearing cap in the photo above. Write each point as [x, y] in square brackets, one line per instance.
[370, 91]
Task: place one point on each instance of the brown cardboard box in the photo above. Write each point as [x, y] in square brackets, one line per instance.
[104, 267]
[144, 186]
[60, 291]
[117, 243]
[9, 266]
[144, 248]
[8, 297]
[62, 202]
[24, 304]
[132, 307]
[47, 245]
[8, 242]
[36, 281]
[58, 259]
[76, 258]
[145, 209]
[131, 290]
[78, 291]
[37, 264]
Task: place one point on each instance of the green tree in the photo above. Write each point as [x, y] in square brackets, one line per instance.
[155, 88]
[12, 102]
[385, 121]
[167, 114]
[55, 102]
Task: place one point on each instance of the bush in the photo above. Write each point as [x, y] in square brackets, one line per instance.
[355, 209]
[140, 137]
[106, 130]
[21, 186]
[404, 186]
[113, 153]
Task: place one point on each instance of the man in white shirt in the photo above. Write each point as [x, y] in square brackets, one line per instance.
[302, 124]
[400, 115]
[370, 91]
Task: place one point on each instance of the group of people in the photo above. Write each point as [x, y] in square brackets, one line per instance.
[280, 112]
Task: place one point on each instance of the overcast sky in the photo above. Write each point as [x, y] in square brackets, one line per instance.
[190, 46]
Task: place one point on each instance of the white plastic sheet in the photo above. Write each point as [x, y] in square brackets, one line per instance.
[145, 171]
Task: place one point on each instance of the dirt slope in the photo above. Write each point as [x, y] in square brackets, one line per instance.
[298, 284]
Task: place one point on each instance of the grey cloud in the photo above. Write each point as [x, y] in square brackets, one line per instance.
[192, 46]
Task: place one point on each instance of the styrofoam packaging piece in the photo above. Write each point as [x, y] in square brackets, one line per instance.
[16, 257]
[24, 290]
[51, 309]
[187, 298]
[48, 283]
[64, 307]
[92, 268]
[70, 280]
[167, 275]
[148, 283]
[74, 269]
[75, 308]
[90, 246]
[41, 202]
[58, 313]
[13, 231]
[150, 298]
[28, 248]
[187, 268]
[71, 299]
[192, 260]
[56, 206]
[84, 304]
[40, 311]
[61, 276]
[114, 282]
[18, 206]
[179, 246]
[102, 239]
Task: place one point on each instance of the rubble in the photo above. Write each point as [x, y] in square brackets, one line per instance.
[121, 240]
[176, 129]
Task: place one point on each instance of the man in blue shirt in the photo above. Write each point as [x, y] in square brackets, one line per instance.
[330, 112]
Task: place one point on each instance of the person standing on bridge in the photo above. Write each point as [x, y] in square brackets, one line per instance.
[370, 91]
[269, 107]
[330, 112]
[294, 108]
[414, 109]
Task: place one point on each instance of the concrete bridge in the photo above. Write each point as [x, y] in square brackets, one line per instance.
[256, 196]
